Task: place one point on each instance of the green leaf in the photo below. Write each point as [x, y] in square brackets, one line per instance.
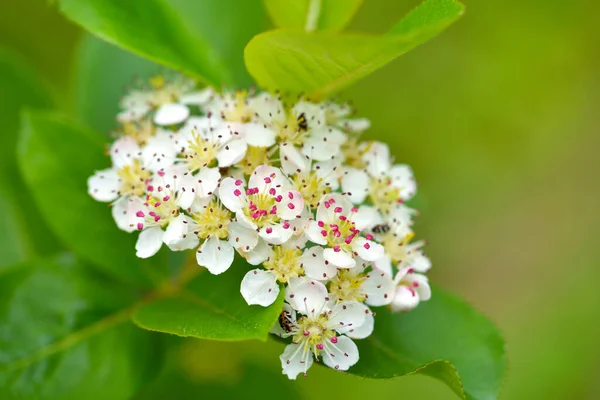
[63, 336]
[329, 15]
[211, 307]
[56, 157]
[102, 73]
[321, 63]
[22, 231]
[444, 338]
[203, 38]
[224, 372]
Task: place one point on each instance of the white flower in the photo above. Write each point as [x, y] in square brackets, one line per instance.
[312, 180]
[168, 98]
[319, 330]
[412, 288]
[335, 228]
[158, 220]
[238, 113]
[267, 206]
[209, 226]
[399, 251]
[131, 172]
[387, 185]
[338, 115]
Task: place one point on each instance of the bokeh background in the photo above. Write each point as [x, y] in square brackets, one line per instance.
[500, 118]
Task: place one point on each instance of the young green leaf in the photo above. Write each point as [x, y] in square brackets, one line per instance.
[56, 157]
[211, 307]
[444, 338]
[328, 15]
[321, 63]
[22, 231]
[102, 73]
[66, 336]
[203, 38]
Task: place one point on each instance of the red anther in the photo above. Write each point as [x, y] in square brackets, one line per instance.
[157, 218]
[324, 232]
[291, 206]
[238, 182]
[139, 214]
[320, 346]
[273, 210]
[166, 198]
[321, 224]
[237, 192]
[337, 210]
[367, 246]
[157, 204]
[337, 249]
[269, 230]
[272, 191]
[140, 226]
[290, 195]
[369, 236]
[334, 340]
[150, 188]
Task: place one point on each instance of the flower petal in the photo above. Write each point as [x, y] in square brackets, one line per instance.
[149, 242]
[124, 212]
[379, 288]
[232, 195]
[292, 161]
[403, 178]
[176, 231]
[368, 249]
[365, 329]
[346, 316]
[171, 114]
[241, 237]
[295, 360]
[258, 135]
[377, 158]
[366, 217]
[259, 287]
[259, 254]
[104, 185]
[276, 234]
[123, 151]
[405, 299]
[232, 152]
[355, 184]
[199, 97]
[160, 151]
[266, 177]
[307, 296]
[313, 233]
[216, 255]
[291, 206]
[341, 355]
[340, 259]
[315, 266]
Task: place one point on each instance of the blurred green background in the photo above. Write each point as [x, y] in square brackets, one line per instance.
[499, 118]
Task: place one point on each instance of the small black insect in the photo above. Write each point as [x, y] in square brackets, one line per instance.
[285, 321]
[382, 228]
[302, 122]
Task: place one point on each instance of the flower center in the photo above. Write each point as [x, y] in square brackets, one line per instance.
[340, 231]
[285, 263]
[396, 249]
[262, 207]
[212, 220]
[201, 153]
[346, 286]
[239, 112]
[133, 179]
[141, 131]
[255, 156]
[162, 207]
[293, 129]
[353, 153]
[383, 195]
[313, 332]
[311, 187]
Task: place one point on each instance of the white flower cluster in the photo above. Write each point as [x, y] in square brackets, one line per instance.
[289, 188]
